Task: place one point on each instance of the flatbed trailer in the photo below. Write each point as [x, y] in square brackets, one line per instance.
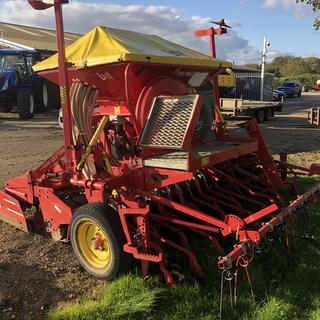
[238, 108]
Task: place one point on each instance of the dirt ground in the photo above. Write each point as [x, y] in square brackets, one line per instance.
[37, 273]
[289, 131]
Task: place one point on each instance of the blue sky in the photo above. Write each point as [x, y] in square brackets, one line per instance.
[288, 25]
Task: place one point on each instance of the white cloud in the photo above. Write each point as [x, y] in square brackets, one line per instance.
[300, 10]
[163, 21]
[270, 3]
[285, 3]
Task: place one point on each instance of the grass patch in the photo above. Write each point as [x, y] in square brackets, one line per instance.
[287, 287]
[128, 297]
[189, 301]
[315, 312]
[275, 309]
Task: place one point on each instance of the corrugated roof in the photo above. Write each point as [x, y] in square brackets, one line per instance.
[38, 38]
[244, 69]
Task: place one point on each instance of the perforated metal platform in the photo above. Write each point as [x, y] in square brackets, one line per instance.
[169, 121]
[203, 155]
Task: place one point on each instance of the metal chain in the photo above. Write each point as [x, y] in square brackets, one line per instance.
[244, 263]
[221, 292]
[226, 275]
[229, 279]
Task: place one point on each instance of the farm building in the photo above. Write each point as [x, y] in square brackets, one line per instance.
[16, 36]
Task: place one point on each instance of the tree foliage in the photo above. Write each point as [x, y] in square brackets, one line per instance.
[306, 70]
[290, 66]
[315, 6]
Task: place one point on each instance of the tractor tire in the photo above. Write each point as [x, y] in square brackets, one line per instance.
[259, 115]
[6, 109]
[97, 239]
[37, 88]
[268, 115]
[26, 103]
[50, 95]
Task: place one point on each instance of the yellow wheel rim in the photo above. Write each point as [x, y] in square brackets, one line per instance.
[93, 244]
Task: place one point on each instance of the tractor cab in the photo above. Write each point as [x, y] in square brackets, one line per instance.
[20, 61]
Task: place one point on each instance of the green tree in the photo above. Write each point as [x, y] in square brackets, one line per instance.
[314, 64]
[307, 70]
[252, 65]
[289, 66]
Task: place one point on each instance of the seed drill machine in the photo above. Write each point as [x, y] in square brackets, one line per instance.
[148, 161]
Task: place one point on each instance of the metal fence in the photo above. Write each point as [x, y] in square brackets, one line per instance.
[248, 87]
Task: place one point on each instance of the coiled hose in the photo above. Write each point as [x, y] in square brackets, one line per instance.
[83, 100]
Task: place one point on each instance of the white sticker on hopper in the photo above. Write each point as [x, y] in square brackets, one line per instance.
[197, 79]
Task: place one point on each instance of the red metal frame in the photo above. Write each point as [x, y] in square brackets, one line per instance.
[211, 33]
[233, 193]
[63, 75]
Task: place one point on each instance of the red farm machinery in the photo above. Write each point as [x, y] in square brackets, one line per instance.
[148, 161]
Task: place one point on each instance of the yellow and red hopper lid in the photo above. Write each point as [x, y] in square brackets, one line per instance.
[103, 45]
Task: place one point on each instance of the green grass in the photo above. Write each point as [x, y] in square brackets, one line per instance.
[274, 309]
[126, 298]
[286, 286]
[315, 311]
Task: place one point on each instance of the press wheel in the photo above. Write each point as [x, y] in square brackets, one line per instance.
[97, 240]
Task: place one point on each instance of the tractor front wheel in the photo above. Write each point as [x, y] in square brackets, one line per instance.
[26, 103]
[97, 239]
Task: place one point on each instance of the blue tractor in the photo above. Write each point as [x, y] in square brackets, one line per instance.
[22, 88]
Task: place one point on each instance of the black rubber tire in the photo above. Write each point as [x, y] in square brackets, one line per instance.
[50, 95]
[37, 88]
[109, 222]
[6, 108]
[26, 110]
[259, 115]
[268, 115]
[299, 94]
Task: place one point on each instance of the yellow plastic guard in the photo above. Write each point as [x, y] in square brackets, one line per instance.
[104, 45]
[227, 80]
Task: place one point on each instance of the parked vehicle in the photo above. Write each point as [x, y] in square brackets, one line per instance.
[21, 87]
[291, 88]
[305, 88]
[60, 119]
[261, 110]
[317, 85]
[278, 95]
